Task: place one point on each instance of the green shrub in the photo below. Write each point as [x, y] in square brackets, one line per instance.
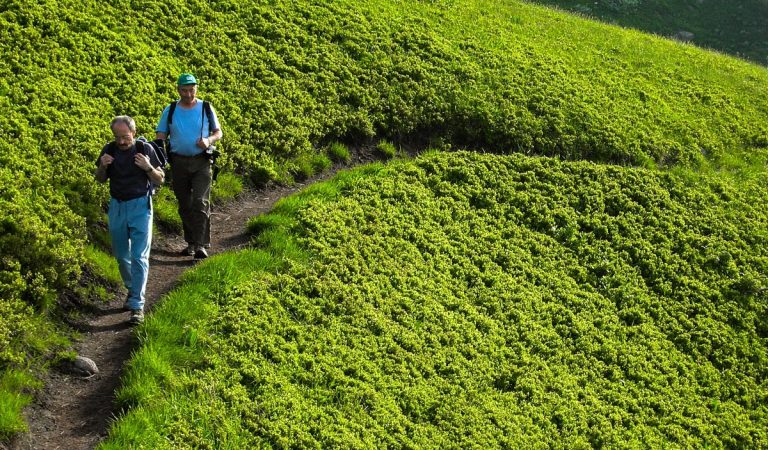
[504, 79]
[485, 301]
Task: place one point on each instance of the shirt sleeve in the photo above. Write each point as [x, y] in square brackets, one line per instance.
[162, 125]
[103, 150]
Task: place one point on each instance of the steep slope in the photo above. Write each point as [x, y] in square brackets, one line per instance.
[290, 77]
[465, 300]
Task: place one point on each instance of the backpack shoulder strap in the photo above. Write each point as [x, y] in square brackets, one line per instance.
[141, 147]
[209, 113]
[171, 109]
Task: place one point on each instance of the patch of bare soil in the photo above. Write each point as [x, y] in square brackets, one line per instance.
[75, 412]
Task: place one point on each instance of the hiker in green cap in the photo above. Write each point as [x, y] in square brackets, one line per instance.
[189, 128]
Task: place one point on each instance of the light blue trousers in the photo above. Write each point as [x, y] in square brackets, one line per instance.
[130, 227]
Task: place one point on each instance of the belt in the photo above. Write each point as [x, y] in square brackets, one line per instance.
[199, 155]
[119, 200]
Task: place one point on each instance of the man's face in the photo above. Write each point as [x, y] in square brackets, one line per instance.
[187, 92]
[123, 136]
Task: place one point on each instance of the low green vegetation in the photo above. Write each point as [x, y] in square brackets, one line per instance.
[28, 344]
[338, 152]
[226, 188]
[15, 388]
[104, 265]
[166, 215]
[289, 77]
[166, 211]
[386, 149]
[473, 301]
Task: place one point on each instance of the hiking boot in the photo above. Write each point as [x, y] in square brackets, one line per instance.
[126, 306]
[188, 251]
[200, 253]
[137, 317]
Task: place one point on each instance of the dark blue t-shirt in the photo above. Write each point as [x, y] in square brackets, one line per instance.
[128, 181]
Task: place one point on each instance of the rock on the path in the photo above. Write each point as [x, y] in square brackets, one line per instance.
[84, 367]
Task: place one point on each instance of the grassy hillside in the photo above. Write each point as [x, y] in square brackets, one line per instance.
[287, 78]
[736, 28]
[472, 301]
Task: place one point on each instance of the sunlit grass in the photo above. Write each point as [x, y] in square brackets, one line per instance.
[338, 152]
[15, 386]
[499, 77]
[407, 291]
[104, 264]
[226, 188]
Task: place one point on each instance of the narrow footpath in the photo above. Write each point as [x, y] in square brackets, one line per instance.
[73, 413]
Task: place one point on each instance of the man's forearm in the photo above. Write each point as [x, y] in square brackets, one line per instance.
[215, 136]
[101, 174]
[156, 175]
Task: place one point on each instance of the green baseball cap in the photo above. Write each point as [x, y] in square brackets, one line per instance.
[186, 78]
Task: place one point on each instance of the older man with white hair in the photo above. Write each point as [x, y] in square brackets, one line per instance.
[131, 167]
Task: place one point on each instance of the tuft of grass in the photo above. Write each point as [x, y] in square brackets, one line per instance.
[386, 149]
[300, 169]
[320, 162]
[264, 222]
[15, 386]
[150, 373]
[100, 233]
[103, 264]
[338, 152]
[226, 187]
[307, 165]
[166, 211]
[282, 244]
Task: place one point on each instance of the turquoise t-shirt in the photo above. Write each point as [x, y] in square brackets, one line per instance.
[189, 125]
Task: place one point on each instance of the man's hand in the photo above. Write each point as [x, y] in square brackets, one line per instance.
[203, 143]
[143, 162]
[101, 171]
[105, 160]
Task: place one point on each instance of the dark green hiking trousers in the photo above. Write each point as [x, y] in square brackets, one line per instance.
[191, 177]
